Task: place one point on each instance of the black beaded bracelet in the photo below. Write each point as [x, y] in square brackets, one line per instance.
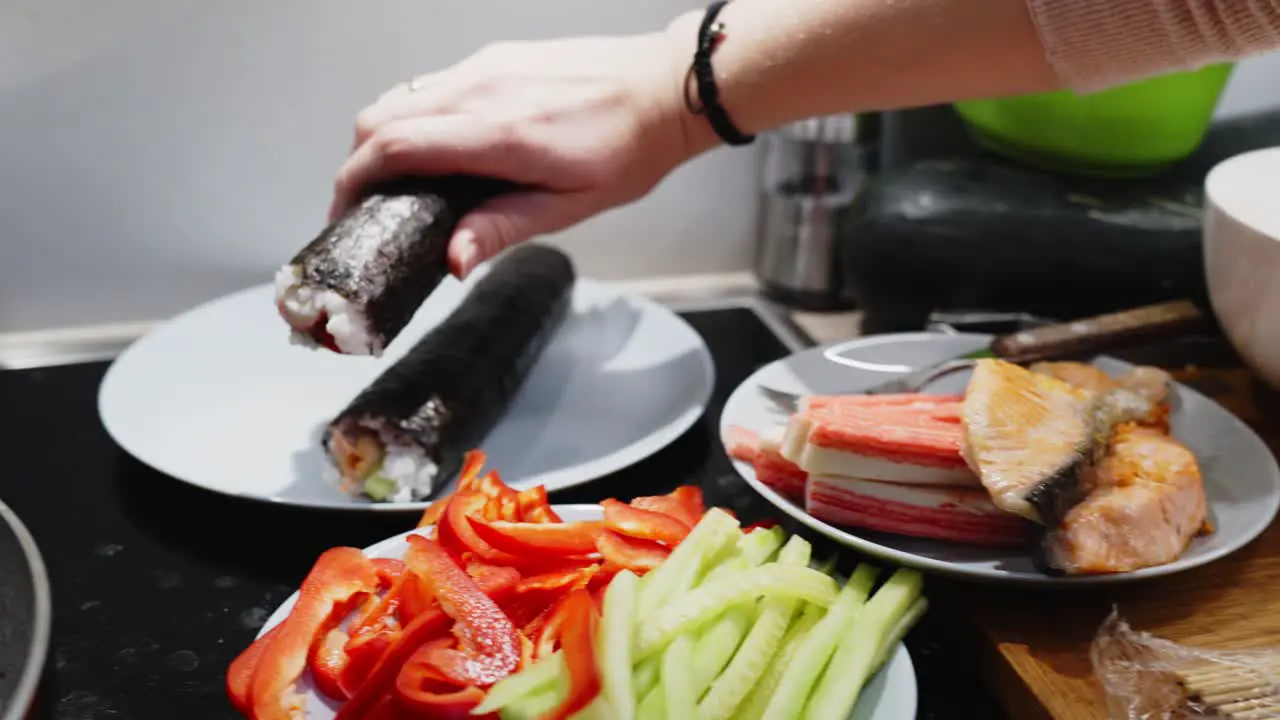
[708, 95]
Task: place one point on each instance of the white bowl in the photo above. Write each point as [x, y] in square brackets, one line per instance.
[1242, 255]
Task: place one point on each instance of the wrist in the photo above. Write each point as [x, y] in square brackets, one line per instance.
[681, 40]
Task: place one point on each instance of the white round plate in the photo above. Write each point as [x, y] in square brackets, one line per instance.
[890, 695]
[1241, 479]
[220, 398]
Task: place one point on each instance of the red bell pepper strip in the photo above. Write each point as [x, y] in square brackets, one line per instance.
[638, 556]
[339, 574]
[458, 536]
[240, 673]
[362, 651]
[472, 463]
[684, 503]
[535, 594]
[504, 501]
[490, 645]
[643, 524]
[415, 598]
[551, 625]
[577, 635]
[387, 607]
[386, 709]
[575, 538]
[423, 692]
[389, 571]
[534, 505]
[328, 661]
[428, 626]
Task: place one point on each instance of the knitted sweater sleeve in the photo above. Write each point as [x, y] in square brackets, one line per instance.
[1093, 44]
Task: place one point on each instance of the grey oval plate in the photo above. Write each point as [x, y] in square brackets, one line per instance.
[25, 612]
[1241, 478]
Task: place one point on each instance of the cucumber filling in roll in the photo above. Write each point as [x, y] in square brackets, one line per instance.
[375, 464]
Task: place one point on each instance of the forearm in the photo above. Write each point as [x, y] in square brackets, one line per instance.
[787, 60]
[1098, 43]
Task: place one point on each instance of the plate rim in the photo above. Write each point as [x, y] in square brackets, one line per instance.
[951, 569]
[29, 682]
[629, 455]
[900, 659]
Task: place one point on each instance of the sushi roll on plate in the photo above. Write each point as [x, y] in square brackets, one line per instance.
[415, 422]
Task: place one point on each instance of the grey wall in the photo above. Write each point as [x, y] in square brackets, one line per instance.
[158, 153]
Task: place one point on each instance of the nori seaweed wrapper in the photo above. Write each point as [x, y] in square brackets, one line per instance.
[451, 388]
[389, 252]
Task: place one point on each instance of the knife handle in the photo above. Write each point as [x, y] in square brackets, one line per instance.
[1091, 335]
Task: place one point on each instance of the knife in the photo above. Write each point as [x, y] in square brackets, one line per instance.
[1057, 341]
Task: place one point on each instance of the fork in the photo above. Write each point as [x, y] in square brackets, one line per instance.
[914, 381]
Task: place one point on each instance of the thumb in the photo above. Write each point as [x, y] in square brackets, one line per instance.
[510, 219]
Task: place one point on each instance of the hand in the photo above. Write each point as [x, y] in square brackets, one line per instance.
[585, 124]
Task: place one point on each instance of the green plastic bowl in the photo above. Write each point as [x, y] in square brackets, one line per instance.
[1136, 129]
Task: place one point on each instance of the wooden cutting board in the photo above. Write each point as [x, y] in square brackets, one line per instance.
[1034, 644]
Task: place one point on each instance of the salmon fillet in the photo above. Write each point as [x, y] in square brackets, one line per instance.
[1145, 503]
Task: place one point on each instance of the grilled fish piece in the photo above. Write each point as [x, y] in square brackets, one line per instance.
[1145, 502]
[1028, 435]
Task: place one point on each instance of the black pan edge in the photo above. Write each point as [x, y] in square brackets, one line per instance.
[24, 695]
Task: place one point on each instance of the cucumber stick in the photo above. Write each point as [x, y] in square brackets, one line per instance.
[615, 643]
[538, 677]
[754, 706]
[705, 602]
[837, 691]
[900, 630]
[644, 678]
[818, 646]
[717, 643]
[760, 646]
[716, 531]
[679, 697]
[654, 704]
[532, 707]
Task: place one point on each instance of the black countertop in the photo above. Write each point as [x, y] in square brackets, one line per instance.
[157, 585]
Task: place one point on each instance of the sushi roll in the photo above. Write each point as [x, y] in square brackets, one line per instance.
[415, 422]
[358, 283]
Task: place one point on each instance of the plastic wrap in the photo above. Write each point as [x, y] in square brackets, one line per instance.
[1150, 678]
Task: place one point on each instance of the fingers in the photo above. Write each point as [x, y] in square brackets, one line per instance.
[434, 145]
[509, 219]
[429, 94]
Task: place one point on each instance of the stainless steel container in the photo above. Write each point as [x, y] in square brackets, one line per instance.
[812, 171]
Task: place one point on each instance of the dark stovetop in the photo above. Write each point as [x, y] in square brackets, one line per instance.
[157, 585]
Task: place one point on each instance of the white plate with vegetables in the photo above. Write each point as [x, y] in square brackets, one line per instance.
[763, 611]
